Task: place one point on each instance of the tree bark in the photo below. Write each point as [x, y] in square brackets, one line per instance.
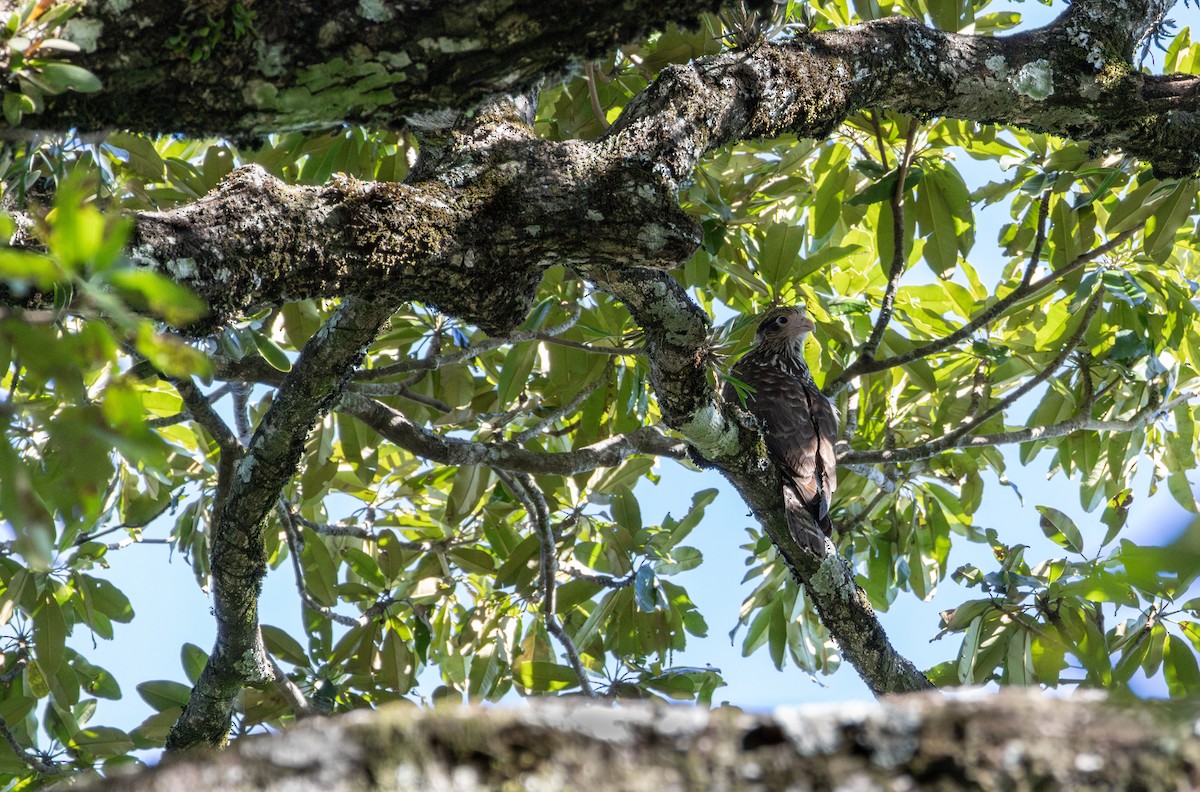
[1016, 740]
[252, 68]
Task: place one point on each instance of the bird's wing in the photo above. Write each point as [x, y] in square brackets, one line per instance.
[825, 419]
[780, 403]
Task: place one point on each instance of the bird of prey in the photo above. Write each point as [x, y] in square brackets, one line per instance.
[799, 423]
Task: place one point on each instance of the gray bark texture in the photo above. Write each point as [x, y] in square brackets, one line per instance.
[1013, 741]
[257, 66]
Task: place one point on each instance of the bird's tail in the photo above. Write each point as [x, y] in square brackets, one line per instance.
[801, 519]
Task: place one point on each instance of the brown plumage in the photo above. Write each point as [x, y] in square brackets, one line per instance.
[799, 423]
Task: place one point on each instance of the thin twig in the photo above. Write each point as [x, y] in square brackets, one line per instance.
[230, 450]
[295, 545]
[896, 272]
[399, 389]
[997, 309]
[951, 440]
[473, 351]
[91, 537]
[523, 488]
[393, 426]
[566, 409]
[290, 691]
[20, 660]
[874, 475]
[1038, 243]
[607, 581]
[291, 530]
[591, 348]
[27, 758]
[594, 97]
[883, 159]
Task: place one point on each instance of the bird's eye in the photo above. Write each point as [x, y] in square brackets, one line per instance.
[781, 320]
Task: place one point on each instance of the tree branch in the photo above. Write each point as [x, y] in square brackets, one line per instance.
[238, 543]
[433, 362]
[1025, 291]
[896, 271]
[970, 423]
[394, 427]
[523, 488]
[29, 759]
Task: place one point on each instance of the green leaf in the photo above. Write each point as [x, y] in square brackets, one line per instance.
[144, 159]
[1060, 529]
[777, 258]
[270, 351]
[644, 589]
[163, 694]
[193, 659]
[515, 373]
[50, 635]
[67, 76]
[21, 269]
[885, 188]
[102, 741]
[544, 676]
[152, 291]
[1180, 669]
[283, 646]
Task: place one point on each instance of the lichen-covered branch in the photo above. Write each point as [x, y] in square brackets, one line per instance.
[238, 543]
[273, 65]
[1015, 740]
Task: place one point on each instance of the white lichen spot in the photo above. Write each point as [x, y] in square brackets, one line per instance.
[1035, 80]
[533, 230]
[222, 275]
[469, 259]
[181, 268]
[115, 7]
[84, 32]
[328, 34]
[446, 44]
[1089, 763]
[712, 435]
[395, 60]
[652, 237]
[271, 58]
[245, 468]
[375, 10]
[998, 65]
[594, 216]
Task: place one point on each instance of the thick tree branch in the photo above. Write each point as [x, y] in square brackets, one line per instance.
[274, 65]
[238, 544]
[1017, 740]
[394, 427]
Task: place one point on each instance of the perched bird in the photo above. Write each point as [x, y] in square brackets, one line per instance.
[799, 423]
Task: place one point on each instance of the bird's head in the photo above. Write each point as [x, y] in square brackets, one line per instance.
[786, 326]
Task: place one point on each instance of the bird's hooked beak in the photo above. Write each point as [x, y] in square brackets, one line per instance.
[801, 325]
